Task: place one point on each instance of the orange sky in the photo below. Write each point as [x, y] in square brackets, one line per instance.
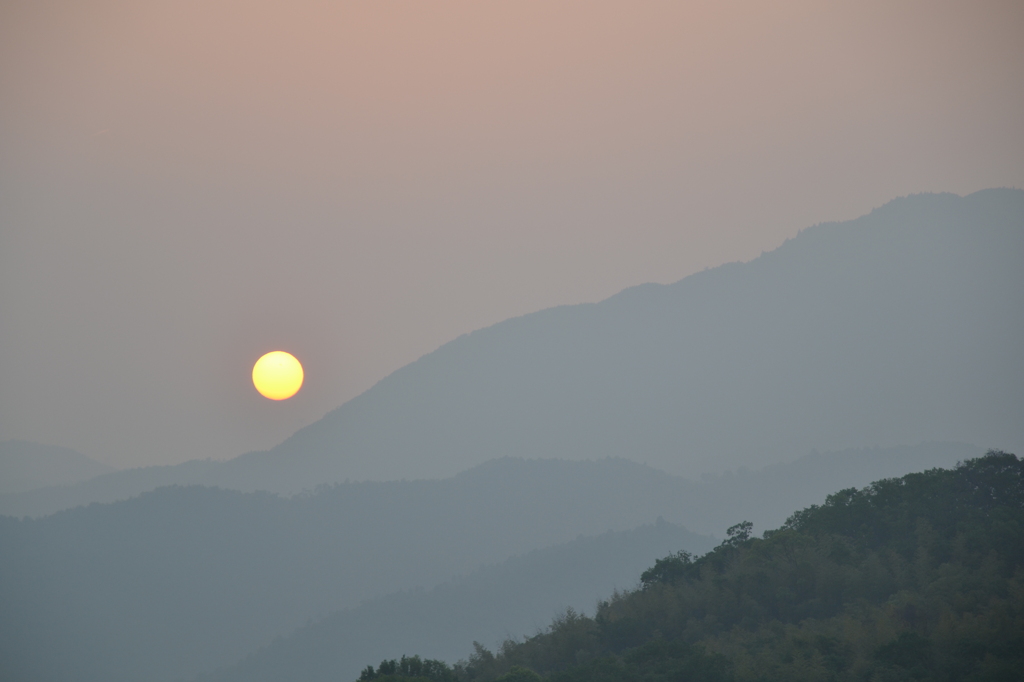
[185, 186]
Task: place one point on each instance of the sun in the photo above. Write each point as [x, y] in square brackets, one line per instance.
[277, 375]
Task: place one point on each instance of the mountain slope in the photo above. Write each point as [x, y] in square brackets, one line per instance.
[114, 486]
[916, 578]
[27, 466]
[185, 579]
[768, 496]
[514, 598]
[708, 506]
[899, 327]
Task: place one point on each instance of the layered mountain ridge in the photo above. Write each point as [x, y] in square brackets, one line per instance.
[896, 328]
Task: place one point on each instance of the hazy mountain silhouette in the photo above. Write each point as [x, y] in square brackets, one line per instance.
[708, 506]
[119, 485]
[768, 496]
[915, 578]
[899, 327]
[26, 466]
[515, 598]
[185, 579]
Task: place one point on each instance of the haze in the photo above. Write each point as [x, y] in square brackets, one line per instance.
[186, 186]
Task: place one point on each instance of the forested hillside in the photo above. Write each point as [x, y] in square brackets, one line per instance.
[102, 588]
[915, 578]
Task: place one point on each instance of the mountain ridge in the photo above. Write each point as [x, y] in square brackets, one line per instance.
[451, 405]
[897, 327]
[516, 597]
[910, 578]
[27, 466]
[183, 580]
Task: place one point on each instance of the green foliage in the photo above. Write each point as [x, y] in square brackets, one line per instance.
[738, 534]
[668, 570]
[653, 662]
[517, 673]
[410, 669]
[915, 578]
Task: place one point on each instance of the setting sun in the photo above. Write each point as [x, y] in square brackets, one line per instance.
[277, 375]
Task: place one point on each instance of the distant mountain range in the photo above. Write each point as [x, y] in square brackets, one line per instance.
[28, 466]
[766, 495]
[899, 327]
[916, 578]
[516, 598]
[182, 580]
[844, 590]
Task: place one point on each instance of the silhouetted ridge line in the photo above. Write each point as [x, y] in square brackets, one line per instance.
[898, 327]
[918, 577]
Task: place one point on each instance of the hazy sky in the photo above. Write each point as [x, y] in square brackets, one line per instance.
[185, 186]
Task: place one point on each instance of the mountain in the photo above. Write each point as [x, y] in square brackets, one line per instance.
[111, 487]
[899, 327]
[517, 597]
[183, 580]
[916, 578]
[708, 506]
[27, 466]
[768, 496]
